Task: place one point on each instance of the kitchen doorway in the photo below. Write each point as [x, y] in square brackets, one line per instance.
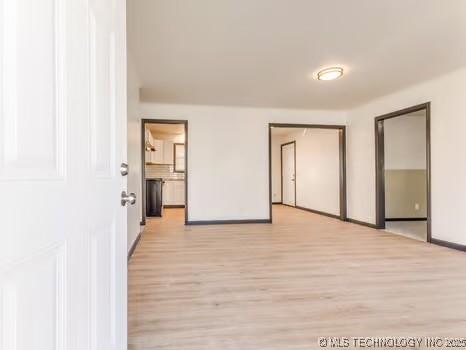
[164, 162]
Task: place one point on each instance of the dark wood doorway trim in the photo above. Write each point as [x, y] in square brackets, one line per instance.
[380, 164]
[281, 169]
[342, 148]
[143, 163]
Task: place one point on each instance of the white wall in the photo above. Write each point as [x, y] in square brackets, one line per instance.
[317, 168]
[134, 153]
[405, 142]
[228, 155]
[448, 122]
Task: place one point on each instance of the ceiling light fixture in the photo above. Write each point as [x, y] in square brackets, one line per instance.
[331, 73]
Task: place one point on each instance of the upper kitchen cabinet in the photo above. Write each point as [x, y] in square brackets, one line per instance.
[157, 155]
[161, 152]
[149, 146]
[168, 152]
[160, 141]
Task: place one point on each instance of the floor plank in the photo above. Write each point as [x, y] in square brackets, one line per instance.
[283, 285]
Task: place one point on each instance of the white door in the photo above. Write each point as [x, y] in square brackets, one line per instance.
[62, 139]
[288, 174]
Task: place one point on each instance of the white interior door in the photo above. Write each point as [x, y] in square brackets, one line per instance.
[62, 139]
[288, 174]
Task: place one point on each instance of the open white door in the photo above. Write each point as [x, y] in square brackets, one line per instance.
[288, 174]
[62, 139]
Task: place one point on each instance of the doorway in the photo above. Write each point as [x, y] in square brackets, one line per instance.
[403, 185]
[164, 163]
[307, 168]
[288, 173]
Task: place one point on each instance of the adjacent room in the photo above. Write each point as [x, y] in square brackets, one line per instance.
[405, 163]
[307, 168]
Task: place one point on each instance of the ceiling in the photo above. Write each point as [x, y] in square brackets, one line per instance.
[262, 53]
[279, 131]
[168, 129]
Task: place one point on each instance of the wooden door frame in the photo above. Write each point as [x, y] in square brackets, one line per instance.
[143, 163]
[281, 169]
[380, 164]
[342, 158]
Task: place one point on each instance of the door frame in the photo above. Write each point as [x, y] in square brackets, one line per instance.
[380, 164]
[143, 163]
[342, 151]
[281, 169]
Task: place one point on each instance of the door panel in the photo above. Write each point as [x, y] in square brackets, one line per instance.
[102, 92]
[288, 174]
[45, 275]
[62, 139]
[23, 33]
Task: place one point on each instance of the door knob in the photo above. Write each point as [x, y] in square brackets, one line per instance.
[127, 198]
[124, 169]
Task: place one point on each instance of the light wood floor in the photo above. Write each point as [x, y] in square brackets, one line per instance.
[281, 286]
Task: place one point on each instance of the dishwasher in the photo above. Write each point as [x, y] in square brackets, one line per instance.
[154, 199]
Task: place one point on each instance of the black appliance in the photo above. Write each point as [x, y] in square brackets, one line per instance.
[154, 202]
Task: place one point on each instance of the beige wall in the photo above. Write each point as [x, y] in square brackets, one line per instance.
[404, 188]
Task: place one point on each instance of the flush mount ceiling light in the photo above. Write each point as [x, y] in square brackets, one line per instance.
[331, 73]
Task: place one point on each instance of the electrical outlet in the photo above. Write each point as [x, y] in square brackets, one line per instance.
[417, 206]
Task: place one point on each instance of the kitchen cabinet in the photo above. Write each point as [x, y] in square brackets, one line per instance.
[168, 152]
[157, 156]
[179, 192]
[173, 192]
[163, 153]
